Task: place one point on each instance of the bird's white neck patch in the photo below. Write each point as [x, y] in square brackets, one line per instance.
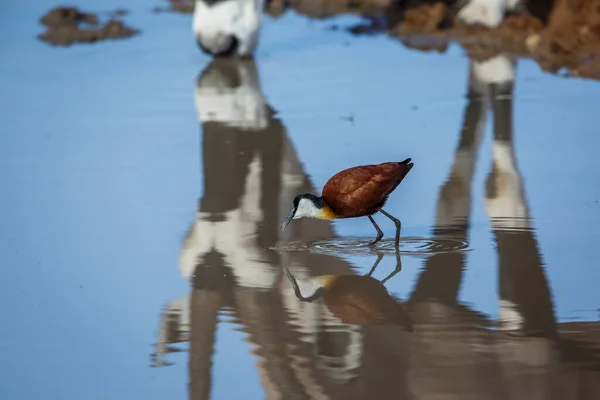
[307, 209]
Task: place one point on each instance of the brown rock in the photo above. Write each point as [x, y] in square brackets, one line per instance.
[67, 25]
[62, 16]
[114, 29]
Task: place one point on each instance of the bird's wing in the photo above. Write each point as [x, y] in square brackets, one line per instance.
[362, 187]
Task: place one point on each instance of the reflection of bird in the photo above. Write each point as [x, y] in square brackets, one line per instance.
[354, 192]
[354, 299]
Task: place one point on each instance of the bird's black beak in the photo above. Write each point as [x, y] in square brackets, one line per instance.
[288, 219]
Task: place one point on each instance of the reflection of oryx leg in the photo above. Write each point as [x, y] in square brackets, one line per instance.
[529, 365]
[205, 306]
[525, 298]
[444, 328]
[454, 201]
[174, 320]
[526, 302]
[265, 320]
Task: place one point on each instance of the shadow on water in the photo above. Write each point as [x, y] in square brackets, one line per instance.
[320, 338]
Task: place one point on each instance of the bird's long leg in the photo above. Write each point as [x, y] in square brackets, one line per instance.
[398, 227]
[379, 231]
[396, 270]
[379, 258]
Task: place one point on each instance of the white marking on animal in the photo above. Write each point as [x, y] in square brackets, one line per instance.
[307, 209]
[214, 24]
[487, 12]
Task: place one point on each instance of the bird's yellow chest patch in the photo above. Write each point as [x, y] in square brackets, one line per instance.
[327, 213]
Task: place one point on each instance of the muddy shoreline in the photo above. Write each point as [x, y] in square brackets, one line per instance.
[562, 36]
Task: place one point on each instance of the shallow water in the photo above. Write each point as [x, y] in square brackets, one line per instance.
[413, 246]
[144, 186]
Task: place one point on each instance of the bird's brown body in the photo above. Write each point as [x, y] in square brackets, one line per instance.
[354, 192]
[363, 190]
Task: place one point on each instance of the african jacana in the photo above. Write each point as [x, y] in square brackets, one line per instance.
[354, 192]
[353, 299]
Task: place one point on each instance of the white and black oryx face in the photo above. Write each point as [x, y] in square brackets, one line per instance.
[228, 27]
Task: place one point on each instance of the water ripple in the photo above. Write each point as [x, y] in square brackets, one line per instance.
[410, 245]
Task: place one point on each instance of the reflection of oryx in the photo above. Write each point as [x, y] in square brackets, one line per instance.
[227, 27]
[251, 173]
